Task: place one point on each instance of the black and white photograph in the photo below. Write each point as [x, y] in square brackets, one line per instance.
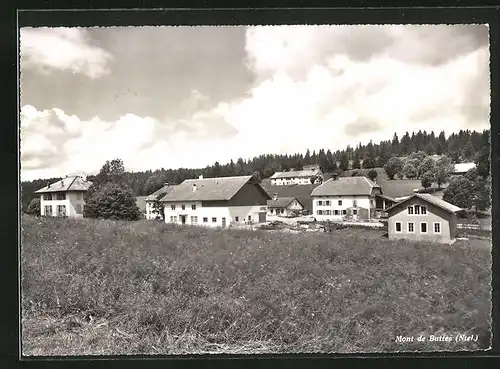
[285, 189]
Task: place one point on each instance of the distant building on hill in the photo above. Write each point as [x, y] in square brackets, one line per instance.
[423, 217]
[216, 202]
[297, 177]
[285, 206]
[64, 198]
[462, 168]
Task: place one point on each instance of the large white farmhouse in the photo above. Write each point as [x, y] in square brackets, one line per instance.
[64, 198]
[297, 177]
[345, 197]
[216, 202]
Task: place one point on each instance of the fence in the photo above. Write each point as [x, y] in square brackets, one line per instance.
[466, 226]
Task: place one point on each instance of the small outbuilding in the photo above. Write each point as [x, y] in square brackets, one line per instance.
[284, 206]
[423, 217]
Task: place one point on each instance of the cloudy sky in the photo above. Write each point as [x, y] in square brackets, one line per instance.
[189, 96]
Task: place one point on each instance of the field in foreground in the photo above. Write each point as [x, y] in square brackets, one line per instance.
[102, 287]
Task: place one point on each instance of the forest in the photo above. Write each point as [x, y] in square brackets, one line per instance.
[464, 146]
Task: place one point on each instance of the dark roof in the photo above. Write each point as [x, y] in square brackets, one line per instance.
[162, 191]
[209, 189]
[73, 183]
[429, 199]
[297, 173]
[344, 186]
[282, 202]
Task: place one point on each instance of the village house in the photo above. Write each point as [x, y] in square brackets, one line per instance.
[423, 217]
[64, 198]
[150, 212]
[345, 198]
[296, 177]
[284, 206]
[216, 202]
[462, 168]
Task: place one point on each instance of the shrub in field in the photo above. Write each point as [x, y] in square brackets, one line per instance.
[178, 289]
[112, 201]
[34, 207]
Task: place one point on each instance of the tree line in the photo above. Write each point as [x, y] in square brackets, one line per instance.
[463, 146]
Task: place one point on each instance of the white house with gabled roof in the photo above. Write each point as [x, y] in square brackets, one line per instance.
[216, 202]
[296, 177]
[345, 198]
[64, 198]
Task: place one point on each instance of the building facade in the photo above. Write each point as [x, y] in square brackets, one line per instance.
[345, 198]
[64, 198]
[150, 211]
[216, 202]
[300, 177]
[284, 206]
[423, 217]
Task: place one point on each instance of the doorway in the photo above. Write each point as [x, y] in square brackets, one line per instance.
[183, 219]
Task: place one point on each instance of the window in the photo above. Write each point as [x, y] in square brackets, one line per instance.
[340, 202]
[61, 196]
[172, 207]
[61, 210]
[205, 219]
[48, 210]
[423, 210]
[320, 202]
[354, 202]
[183, 207]
[417, 209]
[78, 208]
[175, 218]
[171, 219]
[410, 210]
[194, 220]
[411, 227]
[423, 227]
[328, 212]
[398, 227]
[319, 212]
[47, 196]
[336, 212]
[344, 212]
[327, 202]
[354, 212]
[193, 207]
[437, 228]
[249, 218]
[237, 219]
[214, 220]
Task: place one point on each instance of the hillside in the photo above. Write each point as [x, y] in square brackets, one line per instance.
[107, 287]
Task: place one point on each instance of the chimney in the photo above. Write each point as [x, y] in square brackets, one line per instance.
[48, 184]
[275, 196]
[194, 187]
[201, 176]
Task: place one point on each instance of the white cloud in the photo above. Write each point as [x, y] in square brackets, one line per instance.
[45, 49]
[316, 87]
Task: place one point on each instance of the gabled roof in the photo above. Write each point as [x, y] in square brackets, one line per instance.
[431, 200]
[386, 197]
[209, 189]
[345, 186]
[162, 191]
[463, 167]
[297, 173]
[282, 202]
[73, 183]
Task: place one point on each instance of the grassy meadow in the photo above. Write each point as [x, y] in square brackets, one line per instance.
[92, 287]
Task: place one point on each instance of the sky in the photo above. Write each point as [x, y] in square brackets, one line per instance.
[170, 97]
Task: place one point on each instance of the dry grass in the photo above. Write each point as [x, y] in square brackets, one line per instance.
[156, 288]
